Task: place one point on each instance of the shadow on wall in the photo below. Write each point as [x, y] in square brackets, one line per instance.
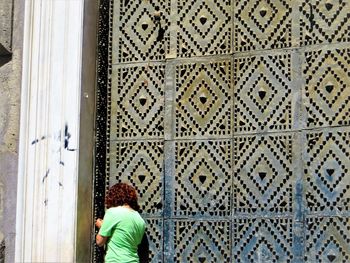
[5, 56]
[2, 251]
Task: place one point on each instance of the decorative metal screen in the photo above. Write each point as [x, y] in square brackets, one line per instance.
[231, 118]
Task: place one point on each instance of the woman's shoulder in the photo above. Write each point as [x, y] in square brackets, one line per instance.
[115, 210]
[140, 219]
[121, 210]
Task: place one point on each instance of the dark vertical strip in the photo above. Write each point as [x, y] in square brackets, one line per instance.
[85, 229]
[101, 117]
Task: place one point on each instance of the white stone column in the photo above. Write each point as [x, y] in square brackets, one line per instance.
[49, 131]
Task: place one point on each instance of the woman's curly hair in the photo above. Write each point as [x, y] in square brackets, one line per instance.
[122, 194]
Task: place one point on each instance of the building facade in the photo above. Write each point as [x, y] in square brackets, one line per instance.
[230, 117]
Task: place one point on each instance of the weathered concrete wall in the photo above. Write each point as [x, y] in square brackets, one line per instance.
[5, 25]
[10, 79]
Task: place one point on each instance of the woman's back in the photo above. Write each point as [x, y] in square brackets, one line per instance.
[125, 229]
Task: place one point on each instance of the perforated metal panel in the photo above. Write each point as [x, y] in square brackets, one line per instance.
[231, 118]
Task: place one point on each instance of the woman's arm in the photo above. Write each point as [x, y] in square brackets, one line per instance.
[100, 240]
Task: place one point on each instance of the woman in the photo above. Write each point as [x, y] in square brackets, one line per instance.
[122, 227]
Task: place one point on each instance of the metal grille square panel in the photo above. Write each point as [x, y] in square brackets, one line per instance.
[262, 24]
[140, 30]
[327, 93]
[140, 164]
[203, 178]
[263, 177]
[263, 240]
[327, 166]
[202, 241]
[327, 239]
[324, 21]
[203, 100]
[137, 102]
[263, 93]
[203, 27]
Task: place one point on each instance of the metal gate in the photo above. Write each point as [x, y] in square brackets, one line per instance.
[231, 118]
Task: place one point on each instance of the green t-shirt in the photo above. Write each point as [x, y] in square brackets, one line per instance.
[125, 228]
